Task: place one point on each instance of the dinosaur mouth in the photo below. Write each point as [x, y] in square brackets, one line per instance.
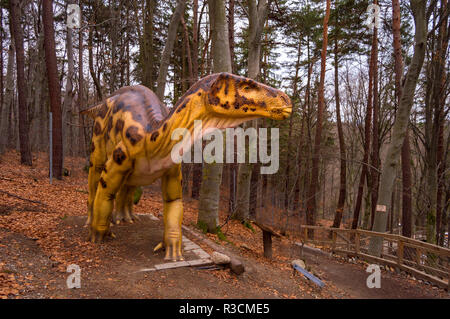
[283, 111]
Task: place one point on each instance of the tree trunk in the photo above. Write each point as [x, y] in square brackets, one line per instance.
[343, 169]
[53, 86]
[400, 125]
[68, 107]
[8, 100]
[257, 17]
[367, 128]
[91, 64]
[168, 48]
[81, 135]
[375, 156]
[208, 213]
[311, 206]
[17, 33]
[406, 152]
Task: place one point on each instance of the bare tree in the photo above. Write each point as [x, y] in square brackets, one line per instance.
[400, 125]
[53, 86]
[311, 205]
[17, 33]
[208, 208]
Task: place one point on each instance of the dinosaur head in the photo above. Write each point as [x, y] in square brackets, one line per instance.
[238, 97]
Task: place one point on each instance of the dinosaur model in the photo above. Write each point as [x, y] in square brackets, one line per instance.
[131, 145]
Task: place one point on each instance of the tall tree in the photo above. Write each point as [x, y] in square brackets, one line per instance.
[311, 205]
[389, 170]
[375, 155]
[167, 52]
[8, 99]
[196, 167]
[17, 34]
[53, 86]
[406, 152]
[257, 14]
[343, 161]
[208, 210]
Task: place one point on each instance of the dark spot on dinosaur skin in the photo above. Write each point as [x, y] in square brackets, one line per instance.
[102, 182]
[154, 136]
[119, 125]
[133, 135]
[102, 111]
[199, 93]
[118, 107]
[92, 147]
[245, 109]
[90, 164]
[104, 169]
[164, 127]
[252, 109]
[97, 128]
[225, 105]
[119, 156]
[271, 92]
[242, 100]
[226, 86]
[186, 101]
[213, 100]
[111, 196]
[262, 104]
[110, 124]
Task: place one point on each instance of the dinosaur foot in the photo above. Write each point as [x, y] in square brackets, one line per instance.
[124, 218]
[173, 251]
[98, 234]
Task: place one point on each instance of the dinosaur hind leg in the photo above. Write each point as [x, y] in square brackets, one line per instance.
[124, 205]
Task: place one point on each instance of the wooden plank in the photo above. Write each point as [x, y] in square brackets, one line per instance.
[442, 251]
[267, 229]
[375, 234]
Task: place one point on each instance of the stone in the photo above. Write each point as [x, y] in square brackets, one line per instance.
[299, 263]
[236, 266]
[220, 259]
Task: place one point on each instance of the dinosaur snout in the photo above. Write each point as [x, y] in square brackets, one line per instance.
[284, 108]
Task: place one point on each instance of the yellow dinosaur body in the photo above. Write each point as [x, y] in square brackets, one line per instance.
[132, 144]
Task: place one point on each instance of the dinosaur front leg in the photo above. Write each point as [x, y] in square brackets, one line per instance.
[116, 169]
[93, 178]
[173, 213]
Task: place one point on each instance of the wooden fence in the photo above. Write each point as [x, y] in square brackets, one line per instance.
[420, 259]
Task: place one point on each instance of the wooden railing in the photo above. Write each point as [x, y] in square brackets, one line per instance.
[423, 260]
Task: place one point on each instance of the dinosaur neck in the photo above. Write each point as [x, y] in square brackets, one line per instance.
[188, 111]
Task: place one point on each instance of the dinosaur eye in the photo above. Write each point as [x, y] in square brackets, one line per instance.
[247, 88]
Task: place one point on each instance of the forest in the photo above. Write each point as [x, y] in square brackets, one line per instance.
[367, 145]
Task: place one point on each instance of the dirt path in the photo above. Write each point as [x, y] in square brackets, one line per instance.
[352, 277]
[118, 274]
[41, 233]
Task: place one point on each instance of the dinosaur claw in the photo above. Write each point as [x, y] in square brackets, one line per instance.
[158, 247]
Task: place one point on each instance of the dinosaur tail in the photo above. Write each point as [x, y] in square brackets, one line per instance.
[93, 111]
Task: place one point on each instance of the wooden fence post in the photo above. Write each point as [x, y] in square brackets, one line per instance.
[357, 242]
[400, 252]
[333, 245]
